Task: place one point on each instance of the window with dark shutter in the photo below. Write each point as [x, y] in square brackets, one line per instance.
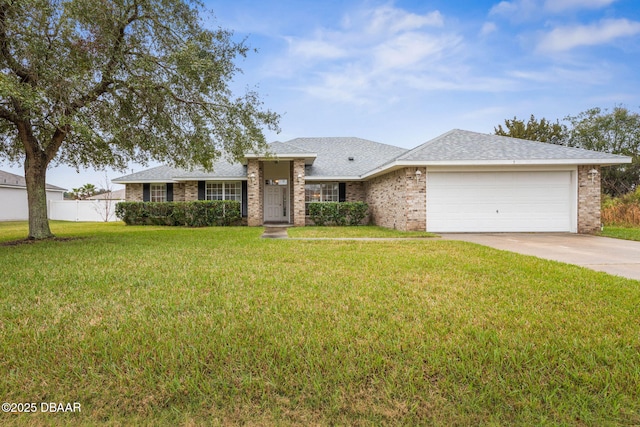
[201, 188]
[169, 192]
[146, 192]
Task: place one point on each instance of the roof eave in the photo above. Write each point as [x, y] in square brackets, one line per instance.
[309, 158]
[332, 178]
[144, 181]
[389, 167]
[209, 178]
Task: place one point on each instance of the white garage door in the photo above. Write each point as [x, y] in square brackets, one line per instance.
[499, 201]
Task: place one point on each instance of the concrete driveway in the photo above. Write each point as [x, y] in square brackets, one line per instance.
[613, 256]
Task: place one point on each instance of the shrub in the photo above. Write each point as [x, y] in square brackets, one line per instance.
[191, 214]
[623, 210]
[338, 213]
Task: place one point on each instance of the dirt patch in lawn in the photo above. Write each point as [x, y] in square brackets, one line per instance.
[31, 241]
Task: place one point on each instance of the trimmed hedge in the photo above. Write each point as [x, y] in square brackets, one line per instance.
[338, 213]
[201, 213]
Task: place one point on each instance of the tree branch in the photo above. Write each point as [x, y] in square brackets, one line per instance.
[107, 74]
[8, 115]
[25, 75]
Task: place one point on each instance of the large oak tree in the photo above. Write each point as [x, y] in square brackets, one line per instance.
[101, 83]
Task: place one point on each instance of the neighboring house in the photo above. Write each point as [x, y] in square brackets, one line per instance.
[458, 182]
[109, 195]
[13, 197]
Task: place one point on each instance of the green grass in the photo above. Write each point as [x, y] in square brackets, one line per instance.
[216, 326]
[626, 233]
[357, 232]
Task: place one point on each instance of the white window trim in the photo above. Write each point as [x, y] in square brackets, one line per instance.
[322, 194]
[157, 187]
[224, 184]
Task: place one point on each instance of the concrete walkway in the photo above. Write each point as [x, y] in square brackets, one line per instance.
[613, 256]
[275, 232]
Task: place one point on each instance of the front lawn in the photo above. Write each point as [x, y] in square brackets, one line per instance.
[179, 326]
[626, 233]
[357, 232]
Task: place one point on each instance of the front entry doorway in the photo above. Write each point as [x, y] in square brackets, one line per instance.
[276, 203]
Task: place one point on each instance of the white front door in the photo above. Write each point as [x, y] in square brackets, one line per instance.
[275, 203]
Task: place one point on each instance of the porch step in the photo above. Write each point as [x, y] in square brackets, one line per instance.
[275, 232]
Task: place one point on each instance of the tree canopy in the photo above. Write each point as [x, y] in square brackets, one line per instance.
[536, 130]
[616, 132]
[100, 83]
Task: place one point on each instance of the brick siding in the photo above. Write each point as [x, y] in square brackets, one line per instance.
[588, 200]
[398, 200]
[133, 192]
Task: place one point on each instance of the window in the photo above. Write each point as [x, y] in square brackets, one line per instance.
[158, 193]
[321, 192]
[223, 191]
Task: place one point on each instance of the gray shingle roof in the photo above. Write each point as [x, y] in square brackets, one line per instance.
[161, 173]
[334, 153]
[12, 180]
[461, 145]
[357, 158]
[164, 173]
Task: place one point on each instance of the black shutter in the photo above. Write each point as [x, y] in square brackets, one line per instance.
[169, 192]
[244, 198]
[342, 192]
[146, 192]
[201, 190]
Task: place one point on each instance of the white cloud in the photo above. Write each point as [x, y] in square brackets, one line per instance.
[370, 55]
[315, 49]
[566, 38]
[387, 19]
[488, 28]
[516, 10]
[410, 49]
[562, 5]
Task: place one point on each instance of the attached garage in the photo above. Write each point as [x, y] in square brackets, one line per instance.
[502, 201]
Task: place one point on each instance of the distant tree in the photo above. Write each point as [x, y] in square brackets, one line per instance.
[616, 132]
[83, 192]
[535, 130]
[96, 83]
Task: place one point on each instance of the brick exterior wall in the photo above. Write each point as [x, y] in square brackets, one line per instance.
[398, 200]
[190, 191]
[178, 192]
[355, 192]
[255, 186]
[297, 193]
[588, 200]
[133, 192]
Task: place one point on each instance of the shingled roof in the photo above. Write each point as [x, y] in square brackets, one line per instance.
[356, 158]
[16, 181]
[462, 145]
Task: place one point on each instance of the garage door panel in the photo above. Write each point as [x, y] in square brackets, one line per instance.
[499, 201]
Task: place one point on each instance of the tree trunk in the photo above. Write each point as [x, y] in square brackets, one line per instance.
[35, 173]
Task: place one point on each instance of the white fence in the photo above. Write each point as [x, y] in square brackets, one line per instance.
[83, 210]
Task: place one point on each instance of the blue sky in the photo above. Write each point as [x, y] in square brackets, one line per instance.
[403, 72]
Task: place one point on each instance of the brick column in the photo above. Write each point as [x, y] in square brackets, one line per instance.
[255, 216]
[588, 200]
[298, 193]
[416, 197]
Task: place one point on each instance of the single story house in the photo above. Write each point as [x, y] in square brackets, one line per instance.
[13, 197]
[460, 181]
